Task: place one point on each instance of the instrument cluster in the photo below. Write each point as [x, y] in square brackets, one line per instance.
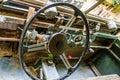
[75, 38]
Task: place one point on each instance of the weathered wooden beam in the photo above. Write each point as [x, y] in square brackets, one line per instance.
[15, 20]
[36, 2]
[100, 19]
[94, 6]
[26, 3]
[9, 39]
[90, 17]
[70, 12]
[13, 39]
[31, 11]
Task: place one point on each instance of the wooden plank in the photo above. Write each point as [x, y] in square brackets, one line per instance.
[34, 2]
[13, 39]
[9, 39]
[69, 11]
[15, 20]
[24, 3]
[89, 16]
[31, 12]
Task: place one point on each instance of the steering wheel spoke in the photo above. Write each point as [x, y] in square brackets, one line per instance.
[65, 61]
[35, 47]
[69, 24]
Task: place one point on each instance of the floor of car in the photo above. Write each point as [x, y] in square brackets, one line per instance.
[10, 70]
[82, 72]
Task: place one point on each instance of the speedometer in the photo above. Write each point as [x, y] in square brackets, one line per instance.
[77, 39]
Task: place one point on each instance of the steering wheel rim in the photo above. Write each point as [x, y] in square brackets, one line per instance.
[77, 13]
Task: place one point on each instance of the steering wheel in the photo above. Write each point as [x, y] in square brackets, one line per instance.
[57, 42]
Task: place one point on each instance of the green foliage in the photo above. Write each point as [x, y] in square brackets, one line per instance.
[116, 8]
[114, 2]
[50, 55]
[117, 1]
[111, 2]
[84, 0]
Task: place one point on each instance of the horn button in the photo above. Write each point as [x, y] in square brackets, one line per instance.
[57, 44]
